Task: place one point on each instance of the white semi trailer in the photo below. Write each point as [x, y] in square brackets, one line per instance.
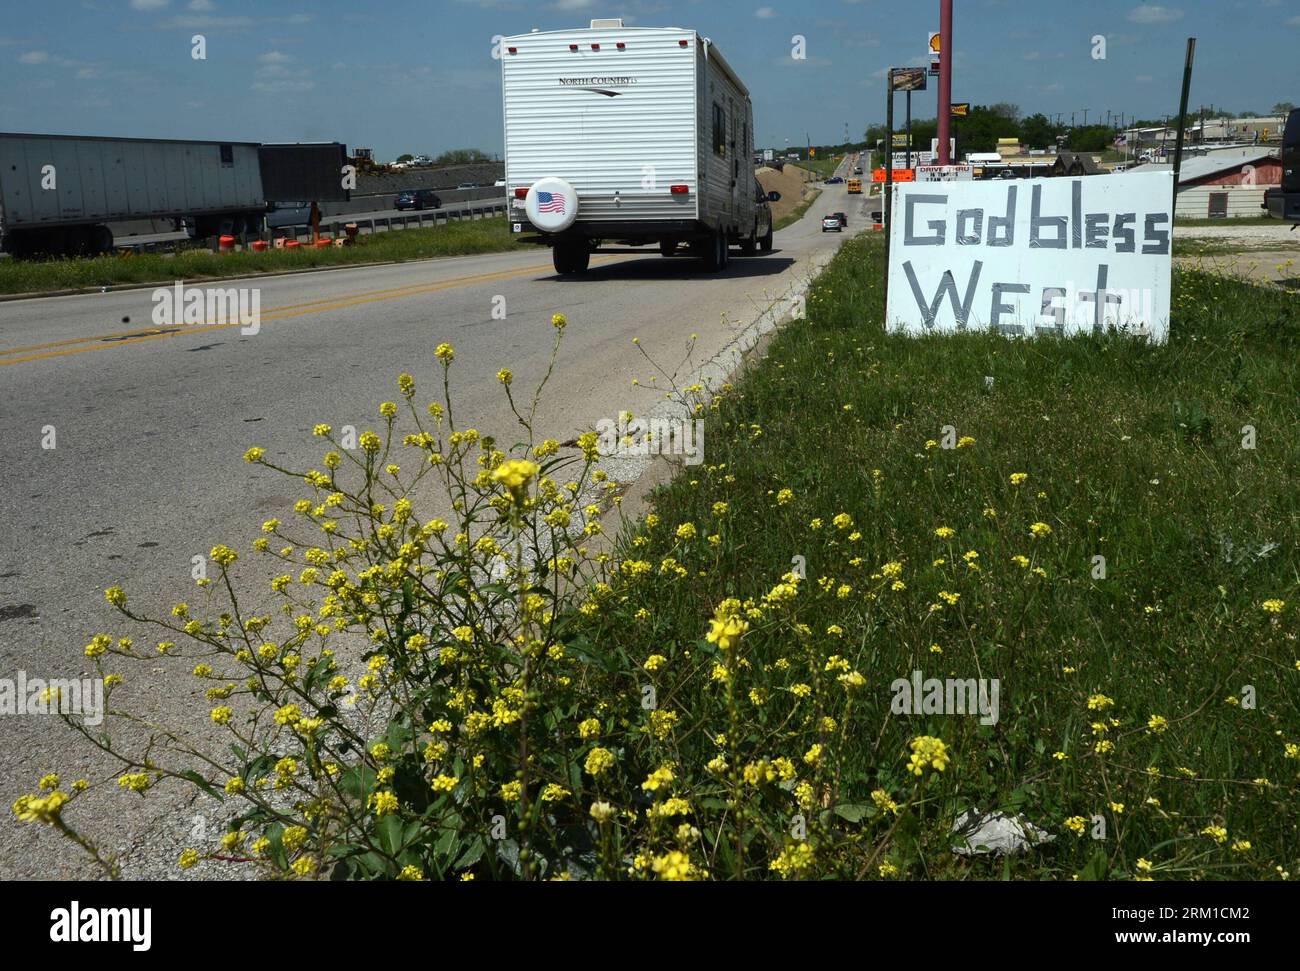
[629, 135]
[59, 193]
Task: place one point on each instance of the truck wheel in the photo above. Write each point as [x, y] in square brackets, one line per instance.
[668, 247]
[765, 244]
[80, 241]
[103, 237]
[570, 258]
[715, 253]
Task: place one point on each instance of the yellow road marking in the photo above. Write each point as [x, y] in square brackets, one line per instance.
[79, 345]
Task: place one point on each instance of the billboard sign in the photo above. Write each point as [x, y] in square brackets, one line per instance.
[907, 78]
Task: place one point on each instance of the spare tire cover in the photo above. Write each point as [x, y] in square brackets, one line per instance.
[552, 205]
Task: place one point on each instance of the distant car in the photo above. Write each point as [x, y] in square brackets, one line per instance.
[832, 223]
[499, 184]
[835, 180]
[857, 170]
[468, 185]
[417, 199]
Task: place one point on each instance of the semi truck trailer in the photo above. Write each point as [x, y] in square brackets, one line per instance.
[629, 135]
[60, 193]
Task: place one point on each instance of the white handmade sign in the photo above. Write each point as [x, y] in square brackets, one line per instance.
[1028, 257]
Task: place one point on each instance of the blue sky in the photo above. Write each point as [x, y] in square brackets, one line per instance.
[405, 75]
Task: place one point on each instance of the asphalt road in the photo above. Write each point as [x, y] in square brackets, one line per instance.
[151, 425]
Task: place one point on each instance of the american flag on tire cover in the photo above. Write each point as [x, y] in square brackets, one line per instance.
[550, 202]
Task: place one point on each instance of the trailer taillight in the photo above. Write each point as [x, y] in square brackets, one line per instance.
[595, 47]
[513, 50]
[521, 193]
[573, 47]
[681, 43]
[621, 46]
[679, 190]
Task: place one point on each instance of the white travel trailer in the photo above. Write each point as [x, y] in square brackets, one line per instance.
[629, 135]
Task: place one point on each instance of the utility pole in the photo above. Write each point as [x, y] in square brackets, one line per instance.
[1085, 117]
[1182, 115]
[945, 82]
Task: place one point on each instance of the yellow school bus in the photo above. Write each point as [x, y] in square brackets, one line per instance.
[855, 187]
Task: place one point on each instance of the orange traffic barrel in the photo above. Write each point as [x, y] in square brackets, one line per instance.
[259, 245]
[323, 243]
[227, 243]
[292, 244]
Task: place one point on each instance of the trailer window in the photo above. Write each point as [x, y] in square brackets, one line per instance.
[228, 156]
[719, 130]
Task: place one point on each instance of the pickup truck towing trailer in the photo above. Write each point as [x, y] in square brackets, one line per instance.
[58, 193]
[633, 136]
[1284, 201]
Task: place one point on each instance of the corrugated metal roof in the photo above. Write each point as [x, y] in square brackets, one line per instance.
[1201, 166]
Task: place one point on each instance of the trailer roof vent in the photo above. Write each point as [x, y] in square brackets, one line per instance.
[609, 23]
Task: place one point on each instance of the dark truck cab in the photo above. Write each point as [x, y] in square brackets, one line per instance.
[1284, 201]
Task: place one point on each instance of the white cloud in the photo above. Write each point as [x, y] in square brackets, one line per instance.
[283, 85]
[34, 57]
[1154, 14]
[765, 13]
[149, 4]
[202, 5]
[274, 57]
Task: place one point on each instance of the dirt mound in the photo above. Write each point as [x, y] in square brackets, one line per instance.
[791, 181]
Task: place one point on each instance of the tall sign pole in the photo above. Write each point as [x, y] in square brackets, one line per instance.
[909, 129]
[945, 80]
[888, 185]
[1182, 115]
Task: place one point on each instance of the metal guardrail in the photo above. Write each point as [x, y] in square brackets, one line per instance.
[334, 227]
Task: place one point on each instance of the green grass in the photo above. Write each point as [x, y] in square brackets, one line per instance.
[1133, 453]
[824, 167]
[453, 239]
[791, 218]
